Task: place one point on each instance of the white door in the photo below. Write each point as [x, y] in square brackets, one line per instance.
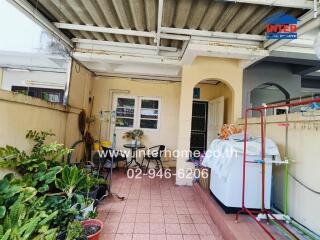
[215, 118]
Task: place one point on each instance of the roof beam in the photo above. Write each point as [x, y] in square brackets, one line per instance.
[104, 30]
[93, 43]
[160, 12]
[35, 15]
[304, 4]
[90, 28]
[89, 56]
[306, 70]
[201, 33]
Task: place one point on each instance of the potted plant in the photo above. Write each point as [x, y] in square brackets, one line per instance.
[75, 231]
[92, 228]
[135, 136]
[84, 205]
[91, 185]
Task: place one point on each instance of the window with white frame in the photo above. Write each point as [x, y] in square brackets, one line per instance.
[137, 112]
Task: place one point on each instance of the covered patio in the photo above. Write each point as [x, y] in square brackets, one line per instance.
[169, 75]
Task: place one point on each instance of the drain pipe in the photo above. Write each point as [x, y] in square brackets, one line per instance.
[297, 225]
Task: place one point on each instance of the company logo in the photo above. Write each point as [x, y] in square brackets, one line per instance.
[281, 26]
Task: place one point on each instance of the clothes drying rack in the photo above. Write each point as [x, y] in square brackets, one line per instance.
[263, 210]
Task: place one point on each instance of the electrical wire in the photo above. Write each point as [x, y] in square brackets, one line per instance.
[304, 185]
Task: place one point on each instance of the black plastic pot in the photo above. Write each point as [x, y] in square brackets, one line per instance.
[102, 191]
[62, 236]
[92, 194]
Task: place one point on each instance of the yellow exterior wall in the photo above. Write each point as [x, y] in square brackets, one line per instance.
[80, 86]
[304, 137]
[205, 68]
[167, 92]
[20, 113]
[209, 92]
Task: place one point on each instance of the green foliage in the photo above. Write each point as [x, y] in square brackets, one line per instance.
[72, 179]
[91, 181]
[43, 178]
[66, 212]
[39, 138]
[92, 215]
[21, 216]
[43, 155]
[31, 206]
[134, 134]
[75, 230]
[11, 157]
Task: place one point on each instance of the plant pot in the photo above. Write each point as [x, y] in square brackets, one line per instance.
[85, 211]
[93, 222]
[62, 235]
[92, 194]
[102, 191]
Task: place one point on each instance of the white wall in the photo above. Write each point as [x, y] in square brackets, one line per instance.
[39, 79]
[304, 152]
[269, 73]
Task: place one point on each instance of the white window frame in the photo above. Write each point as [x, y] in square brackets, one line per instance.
[115, 105]
[137, 111]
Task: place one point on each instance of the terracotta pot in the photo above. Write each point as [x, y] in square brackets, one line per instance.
[93, 222]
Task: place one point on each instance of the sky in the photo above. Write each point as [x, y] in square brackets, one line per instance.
[18, 32]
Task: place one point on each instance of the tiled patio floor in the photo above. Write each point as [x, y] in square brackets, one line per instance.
[154, 209]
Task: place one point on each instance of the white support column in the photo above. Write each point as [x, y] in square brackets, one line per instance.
[158, 38]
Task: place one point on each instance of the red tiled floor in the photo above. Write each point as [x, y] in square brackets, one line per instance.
[154, 209]
[141, 228]
[157, 209]
[173, 228]
[188, 229]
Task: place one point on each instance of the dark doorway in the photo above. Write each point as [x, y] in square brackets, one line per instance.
[199, 126]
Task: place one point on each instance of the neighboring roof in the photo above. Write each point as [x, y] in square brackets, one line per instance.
[281, 18]
[140, 15]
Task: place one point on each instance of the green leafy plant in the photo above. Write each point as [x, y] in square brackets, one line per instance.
[23, 222]
[66, 212]
[43, 178]
[92, 215]
[134, 134]
[75, 231]
[21, 215]
[42, 154]
[72, 179]
[42, 200]
[92, 181]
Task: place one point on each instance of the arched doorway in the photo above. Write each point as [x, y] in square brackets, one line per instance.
[227, 71]
[268, 93]
[211, 108]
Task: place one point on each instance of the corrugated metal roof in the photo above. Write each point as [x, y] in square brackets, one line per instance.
[142, 15]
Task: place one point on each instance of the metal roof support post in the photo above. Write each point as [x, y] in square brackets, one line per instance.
[158, 36]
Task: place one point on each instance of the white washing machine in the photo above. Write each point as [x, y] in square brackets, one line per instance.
[229, 190]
